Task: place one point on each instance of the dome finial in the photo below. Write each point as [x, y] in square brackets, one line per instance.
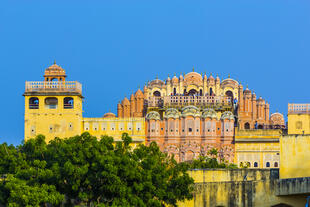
[157, 77]
[54, 62]
[193, 69]
[174, 74]
[247, 86]
[168, 75]
[228, 75]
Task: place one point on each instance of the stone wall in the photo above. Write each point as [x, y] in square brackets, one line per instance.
[239, 187]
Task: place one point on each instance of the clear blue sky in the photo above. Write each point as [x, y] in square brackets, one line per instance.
[112, 47]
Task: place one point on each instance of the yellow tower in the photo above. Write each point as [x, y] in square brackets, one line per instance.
[53, 107]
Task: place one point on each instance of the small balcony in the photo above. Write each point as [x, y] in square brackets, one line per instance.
[53, 86]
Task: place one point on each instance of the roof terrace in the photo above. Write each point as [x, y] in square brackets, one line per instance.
[299, 108]
[53, 86]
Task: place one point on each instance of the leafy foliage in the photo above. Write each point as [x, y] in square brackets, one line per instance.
[210, 161]
[85, 171]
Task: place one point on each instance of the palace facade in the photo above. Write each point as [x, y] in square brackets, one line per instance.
[186, 115]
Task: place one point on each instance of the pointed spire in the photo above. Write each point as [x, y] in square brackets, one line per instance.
[228, 75]
[174, 74]
[193, 69]
[54, 62]
[247, 86]
[156, 77]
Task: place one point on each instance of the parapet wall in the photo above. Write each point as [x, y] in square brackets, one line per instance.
[239, 187]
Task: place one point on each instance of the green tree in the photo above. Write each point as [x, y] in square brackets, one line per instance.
[86, 171]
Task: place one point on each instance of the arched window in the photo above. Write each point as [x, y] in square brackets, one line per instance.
[211, 91]
[200, 92]
[267, 164]
[192, 92]
[249, 164]
[156, 93]
[184, 93]
[230, 94]
[255, 164]
[68, 103]
[51, 103]
[260, 126]
[174, 91]
[247, 125]
[276, 164]
[33, 103]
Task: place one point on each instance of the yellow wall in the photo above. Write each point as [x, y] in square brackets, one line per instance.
[295, 156]
[259, 145]
[298, 123]
[115, 127]
[53, 123]
[240, 187]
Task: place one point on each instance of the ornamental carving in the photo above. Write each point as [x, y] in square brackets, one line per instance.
[153, 115]
[190, 111]
[209, 113]
[172, 113]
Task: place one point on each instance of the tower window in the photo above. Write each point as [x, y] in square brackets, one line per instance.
[51, 103]
[33, 103]
[68, 103]
[276, 164]
[267, 164]
[247, 125]
[190, 129]
[255, 164]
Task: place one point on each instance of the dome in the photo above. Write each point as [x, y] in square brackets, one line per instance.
[156, 83]
[193, 74]
[211, 78]
[228, 82]
[247, 90]
[168, 79]
[192, 78]
[125, 101]
[277, 119]
[54, 71]
[175, 79]
[109, 115]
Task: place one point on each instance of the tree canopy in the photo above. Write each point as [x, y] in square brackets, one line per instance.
[87, 171]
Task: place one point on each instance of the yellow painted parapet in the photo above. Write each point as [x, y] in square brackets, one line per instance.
[239, 187]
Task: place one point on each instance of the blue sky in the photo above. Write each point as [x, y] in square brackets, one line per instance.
[112, 47]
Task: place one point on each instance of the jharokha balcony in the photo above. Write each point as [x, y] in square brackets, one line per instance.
[53, 86]
[299, 108]
[179, 101]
